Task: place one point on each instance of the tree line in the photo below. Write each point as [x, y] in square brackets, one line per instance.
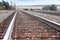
[5, 6]
[50, 7]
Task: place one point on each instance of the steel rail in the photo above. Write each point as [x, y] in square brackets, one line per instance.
[7, 35]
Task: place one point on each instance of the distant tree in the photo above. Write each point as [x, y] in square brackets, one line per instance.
[31, 9]
[12, 8]
[53, 8]
[1, 6]
[6, 4]
[0, 3]
[46, 8]
[25, 9]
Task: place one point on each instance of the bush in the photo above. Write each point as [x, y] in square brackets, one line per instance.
[53, 8]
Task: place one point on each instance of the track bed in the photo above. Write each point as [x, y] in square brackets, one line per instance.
[29, 28]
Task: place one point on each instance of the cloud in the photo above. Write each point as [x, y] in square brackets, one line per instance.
[27, 0]
[34, 2]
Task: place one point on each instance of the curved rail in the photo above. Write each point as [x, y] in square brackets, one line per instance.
[7, 35]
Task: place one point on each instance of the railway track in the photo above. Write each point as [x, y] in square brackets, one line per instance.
[46, 18]
[4, 25]
[29, 28]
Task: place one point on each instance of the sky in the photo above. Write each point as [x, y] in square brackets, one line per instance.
[33, 2]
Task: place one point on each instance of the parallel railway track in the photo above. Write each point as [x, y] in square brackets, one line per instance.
[27, 27]
[46, 18]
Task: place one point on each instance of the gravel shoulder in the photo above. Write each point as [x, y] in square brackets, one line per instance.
[4, 15]
[4, 25]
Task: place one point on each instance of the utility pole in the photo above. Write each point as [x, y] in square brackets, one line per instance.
[11, 4]
[2, 0]
[14, 6]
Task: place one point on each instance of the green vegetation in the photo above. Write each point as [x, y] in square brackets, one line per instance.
[51, 7]
[25, 9]
[5, 6]
[46, 8]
